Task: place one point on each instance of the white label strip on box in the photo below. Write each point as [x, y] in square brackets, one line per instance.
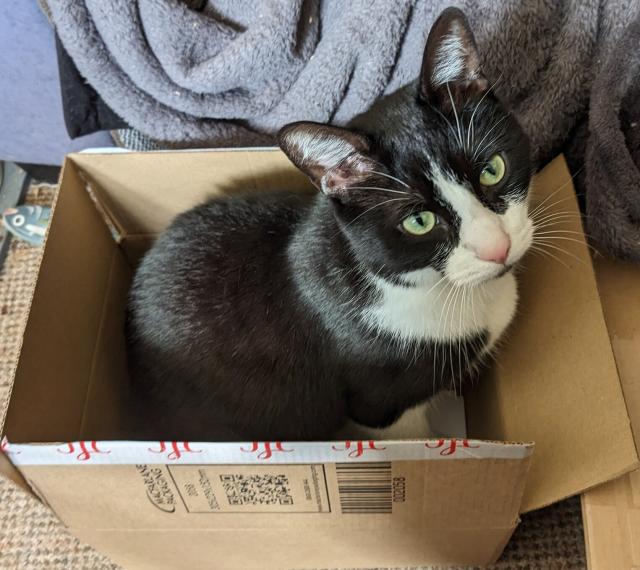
[173, 452]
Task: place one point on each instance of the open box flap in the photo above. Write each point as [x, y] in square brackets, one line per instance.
[556, 381]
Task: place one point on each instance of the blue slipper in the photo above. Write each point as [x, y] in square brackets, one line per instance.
[28, 223]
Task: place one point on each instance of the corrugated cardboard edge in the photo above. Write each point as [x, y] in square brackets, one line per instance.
[120, 452]
[586, 532]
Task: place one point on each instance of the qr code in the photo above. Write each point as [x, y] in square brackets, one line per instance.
[257, 489]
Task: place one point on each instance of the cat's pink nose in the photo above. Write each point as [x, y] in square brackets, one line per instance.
[496, 251]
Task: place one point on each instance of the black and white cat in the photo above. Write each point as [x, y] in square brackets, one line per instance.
[285, 317]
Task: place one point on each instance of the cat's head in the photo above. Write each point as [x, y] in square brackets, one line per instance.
[433, 177]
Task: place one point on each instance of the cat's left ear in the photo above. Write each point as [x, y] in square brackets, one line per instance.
[333, 158]
[451, 62]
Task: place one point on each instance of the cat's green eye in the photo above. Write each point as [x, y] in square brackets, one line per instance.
[419, 224]
[493, 171]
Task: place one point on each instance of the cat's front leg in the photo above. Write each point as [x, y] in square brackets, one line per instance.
[413, 423]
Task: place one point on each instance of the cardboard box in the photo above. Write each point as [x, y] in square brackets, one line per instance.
[611, 512]
[270, 505]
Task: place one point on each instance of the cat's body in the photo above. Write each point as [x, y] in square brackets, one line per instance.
[287, 317]
[334, 342]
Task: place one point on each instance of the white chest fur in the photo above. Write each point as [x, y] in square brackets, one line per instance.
[428, 309]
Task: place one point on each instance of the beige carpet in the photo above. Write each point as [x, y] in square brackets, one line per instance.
[32, 537]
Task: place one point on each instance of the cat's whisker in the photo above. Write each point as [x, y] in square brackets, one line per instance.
[450, 325]
[437, 347]
[417, 351]
[434, 365]
[545, 253]
[478, 150]
[476, 349]
[553, 236]
[466, 146]
[455, 112]
[549, 245]
[476, 108]
[557, 222]
[444, 345]
[462, 277]
[390, 177]
[442, 291]
[442, 309]
[538, 212]
[574, 235]
[380, 189]
[557, 231]
[550, 206]
[457, 338]
[442, 324]
[435, 285]
[563, 185]
[373, 208]
[462, 309]
[473, 309]
[453, 132]
[553, 216]
[556, 225]
[471, 292]
[489, 144]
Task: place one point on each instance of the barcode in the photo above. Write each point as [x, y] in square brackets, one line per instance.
[257, 489]
[365, 488]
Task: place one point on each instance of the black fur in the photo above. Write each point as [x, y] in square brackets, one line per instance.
[242, 317]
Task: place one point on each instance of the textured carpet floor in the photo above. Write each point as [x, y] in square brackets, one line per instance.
[32, 537]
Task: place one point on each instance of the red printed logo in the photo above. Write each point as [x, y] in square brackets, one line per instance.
[449, 446]
[85, 449]
[357, 448]
[174, 450]
[266, 448]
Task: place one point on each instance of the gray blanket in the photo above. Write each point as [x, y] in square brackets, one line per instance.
[231, 72]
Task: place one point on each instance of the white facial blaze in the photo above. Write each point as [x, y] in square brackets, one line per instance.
[519, 227]
[482, 232]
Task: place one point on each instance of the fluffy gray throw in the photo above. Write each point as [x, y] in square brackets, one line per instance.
[231, 72]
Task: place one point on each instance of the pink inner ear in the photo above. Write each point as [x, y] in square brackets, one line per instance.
[350, 172]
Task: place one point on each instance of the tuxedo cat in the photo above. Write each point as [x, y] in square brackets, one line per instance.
[288, 317]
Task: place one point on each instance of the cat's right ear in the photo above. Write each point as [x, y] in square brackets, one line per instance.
[333, 158]
[451, 68]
